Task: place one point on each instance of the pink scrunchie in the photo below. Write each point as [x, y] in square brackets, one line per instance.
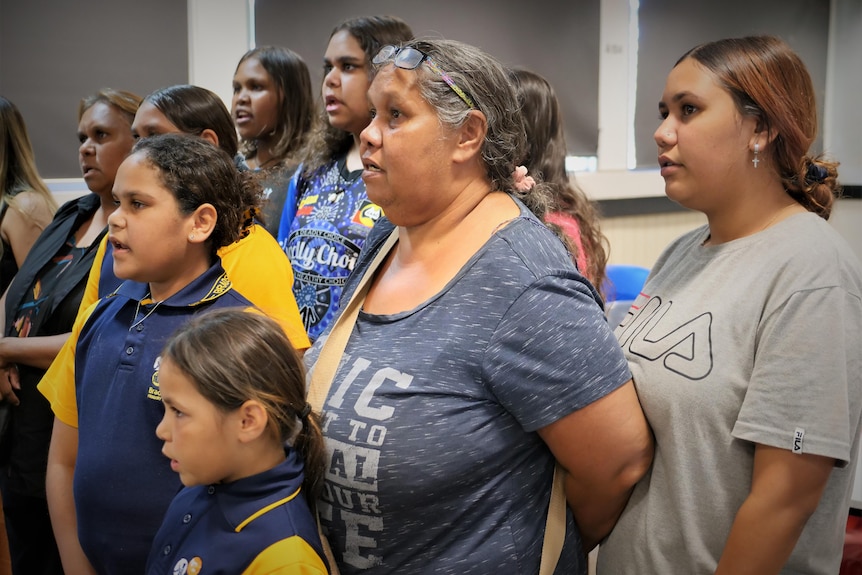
[523, 182]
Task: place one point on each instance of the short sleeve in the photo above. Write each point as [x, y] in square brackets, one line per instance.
[288, 212]
[58, 383]
[260, 271]
[291, 556]
[800, 395]
[553, 353]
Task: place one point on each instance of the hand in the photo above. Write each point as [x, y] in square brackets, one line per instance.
[9, 382]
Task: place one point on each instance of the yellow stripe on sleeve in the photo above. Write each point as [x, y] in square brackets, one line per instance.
[291, 556]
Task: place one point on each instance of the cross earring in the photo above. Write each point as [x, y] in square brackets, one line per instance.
[756, 160]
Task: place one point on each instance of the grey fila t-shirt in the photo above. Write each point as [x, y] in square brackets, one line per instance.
[434, 462]
[750, 342]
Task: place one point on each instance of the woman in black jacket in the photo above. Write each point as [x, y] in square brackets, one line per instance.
[37, 312]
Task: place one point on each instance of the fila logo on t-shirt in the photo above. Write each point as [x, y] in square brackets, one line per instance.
[682, 345]
[798, 436]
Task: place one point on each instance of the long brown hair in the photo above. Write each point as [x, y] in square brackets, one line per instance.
[254, 361]
[193, 109]
[18, 171]
[768, 81]
[290, 75]
[546, 158]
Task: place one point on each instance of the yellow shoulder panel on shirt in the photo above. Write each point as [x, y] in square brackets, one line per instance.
[259, 270]
[291, 556]
[91, 291]
[58, 383]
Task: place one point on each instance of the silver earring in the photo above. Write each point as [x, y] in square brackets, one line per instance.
[756, 160]
[191, 237]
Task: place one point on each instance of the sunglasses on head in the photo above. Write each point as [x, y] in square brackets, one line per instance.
[409, 58]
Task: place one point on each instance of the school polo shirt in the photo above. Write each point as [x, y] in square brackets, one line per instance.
[257, 268]
[110, 392]
[258, 524]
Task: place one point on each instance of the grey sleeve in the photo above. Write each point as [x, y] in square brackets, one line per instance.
[553, 353]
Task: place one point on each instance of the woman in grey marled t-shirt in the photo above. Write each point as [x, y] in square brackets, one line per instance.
[478, 348]
[744, 343]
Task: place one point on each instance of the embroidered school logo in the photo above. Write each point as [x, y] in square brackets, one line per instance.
[153, 392]
[367, 214]
[684, 348]
[221, 285]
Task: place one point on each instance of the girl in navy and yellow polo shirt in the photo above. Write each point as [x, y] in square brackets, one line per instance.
[108, 484]
[240, 434]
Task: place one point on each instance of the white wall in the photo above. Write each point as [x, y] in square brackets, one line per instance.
[219, 32]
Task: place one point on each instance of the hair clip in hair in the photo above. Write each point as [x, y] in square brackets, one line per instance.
[816, 173]
[523, 182]
[306, 411]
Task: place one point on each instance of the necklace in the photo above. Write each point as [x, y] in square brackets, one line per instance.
[774, 219]
[148, 314]
[777, 214]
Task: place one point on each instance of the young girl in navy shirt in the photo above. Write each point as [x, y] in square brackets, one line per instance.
[179, 199]
[238, 431]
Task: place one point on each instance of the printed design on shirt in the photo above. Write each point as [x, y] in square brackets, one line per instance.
[31, 307]
[221, 285]
[683, 347]
[367, 214]
[153, 392]
[306, 205]
[333, 218]
[350, 495]
[188, 567]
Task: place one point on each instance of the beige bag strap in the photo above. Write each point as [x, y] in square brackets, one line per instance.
[333, 349]
[555, 524]
[336, 341]
[324, 373]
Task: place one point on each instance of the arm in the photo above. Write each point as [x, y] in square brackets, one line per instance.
[785, 491]
[23, 223]
[33, 351]
[605, 448]
[61, 501]
[8, 374]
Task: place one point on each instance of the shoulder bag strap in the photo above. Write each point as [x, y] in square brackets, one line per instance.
[333, 348]
[330, 357]
[555, 524]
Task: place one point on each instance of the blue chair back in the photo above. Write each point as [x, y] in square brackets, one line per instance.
[622, 286]
[624, 282]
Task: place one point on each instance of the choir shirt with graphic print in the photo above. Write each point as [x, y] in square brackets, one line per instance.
[323, 239]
